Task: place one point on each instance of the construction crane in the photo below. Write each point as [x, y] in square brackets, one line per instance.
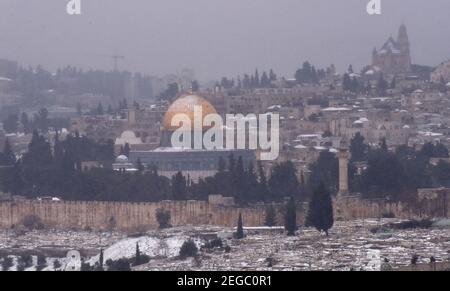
[115, 59]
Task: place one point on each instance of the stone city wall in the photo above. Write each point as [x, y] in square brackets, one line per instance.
[141, 216]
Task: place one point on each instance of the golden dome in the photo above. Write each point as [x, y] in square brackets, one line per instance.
[185, 104]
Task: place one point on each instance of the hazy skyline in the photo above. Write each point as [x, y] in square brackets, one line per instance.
[217, 37]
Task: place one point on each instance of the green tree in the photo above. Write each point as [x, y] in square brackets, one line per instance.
[358, 148]
[101, 258]
[137, 257]
[283, 181]
[41, 120]
[326, 170]
[11, 123]
[347, 83]
[8, 154]
[263, 188]
[163, 218]
[271, 216]
[127, 150]
[290, 219]
[265, 81]
[100, 110]
[320, 212]
[188, 249]
[179, 187]
[240, 228]
[272, 76]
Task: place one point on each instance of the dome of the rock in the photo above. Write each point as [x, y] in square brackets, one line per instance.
[185, 105]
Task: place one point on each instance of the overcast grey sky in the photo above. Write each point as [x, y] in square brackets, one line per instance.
[217, 37]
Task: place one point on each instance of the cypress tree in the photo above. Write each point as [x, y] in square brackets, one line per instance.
[100, 260]
[320, 213]
[138, 255]
[291, 217]
[126, 150]
[263, 187]
[240, 228]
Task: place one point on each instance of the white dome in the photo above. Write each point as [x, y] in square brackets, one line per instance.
[128, 134]
[122, 159]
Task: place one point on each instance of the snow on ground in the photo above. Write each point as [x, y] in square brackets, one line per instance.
[351, 245]
[152, 246]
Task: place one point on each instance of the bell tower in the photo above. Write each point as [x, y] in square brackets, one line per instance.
[404, 47]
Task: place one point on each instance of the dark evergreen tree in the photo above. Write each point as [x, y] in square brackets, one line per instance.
[326, 170]
[283, 181]
[100, 260]
[358, 148]
[272, 76]
[8, 154]
[290, 219]
[137, 256]
[265, 81]
[41, 120]
[263, 189]
[126, 149]
[347, 83]
[320, 212]
[100, 109]
[382, 85]
[350, 69]
[257, 81]
[11, 123]
[240, 228]
[179, 191]
[271, 216]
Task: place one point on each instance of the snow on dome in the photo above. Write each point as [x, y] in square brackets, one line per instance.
[448, 84]
[122, 159]
[128, 137]
[273, 107]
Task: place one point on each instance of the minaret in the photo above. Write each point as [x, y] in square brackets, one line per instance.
[344, 156]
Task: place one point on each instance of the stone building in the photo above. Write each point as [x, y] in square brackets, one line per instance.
[394, 56]
[442, 73]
